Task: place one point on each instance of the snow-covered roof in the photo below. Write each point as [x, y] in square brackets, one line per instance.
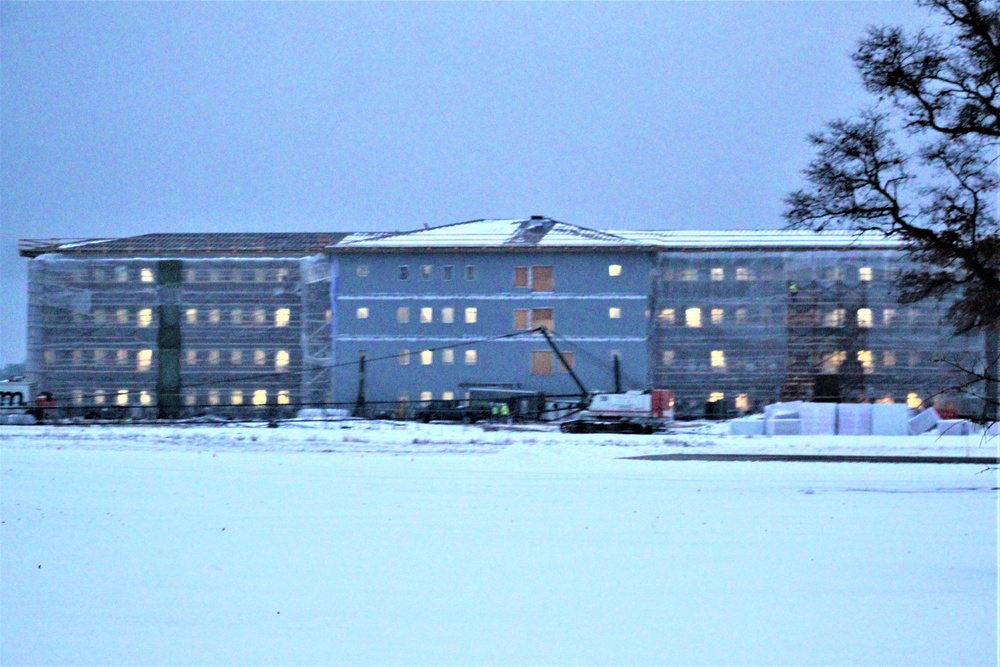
[758, 238]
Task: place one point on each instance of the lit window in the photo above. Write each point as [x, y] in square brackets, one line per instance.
[448, 356]
[259, 397]
[191, 357]
[282, 317]
[259, 357]
[78, 396]
[122, 397]
[214, 316]
[426, 315]
[471, 357]
[143, 360]
[425, 271]
[236, 397]
[213, 396]
[191, 315]
[426, 396]
[913, 400]
[281, 359]
[403, 315]
[426, 357]
[689, 275]
[121, 356]
[122, 315]
[834, 318]
[692, 317]
[144, 317]
[404, 272]
[717, 274]
[888, 315]
[362, 271]
[362, 313]
[865, 273]
[404, 357]
[521, 320]
[99, 397]
[283, 397]
[614, 313]
[719, 359]
[236, 316]
[742, 402]
[741, 316]
[889, 358]
[668, 357]
[448, 315]
[471, 315]
[717, 315]
[213, 357]
[328, 315]
[568, 356]
[190, 398]
[864, 317]
[865, 359]
[716, 396]
[260, 317]
[470, 272]
[614, 270]
[521, 276]
[831, 363]
[541, 362]
[236, 357]
[447, 396]
[668, 316]
[146, 275]
[742, 273]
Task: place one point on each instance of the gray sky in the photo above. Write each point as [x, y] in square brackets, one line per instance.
[119, 119]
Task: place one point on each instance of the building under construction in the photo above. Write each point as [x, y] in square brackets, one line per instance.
[238, 325]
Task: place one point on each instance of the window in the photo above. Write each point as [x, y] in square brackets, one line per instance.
[190, 398]
[689, 275]
[404, 272]
[121, 356]
[834, 318]
[568, 356]
[99, 315]
[121, 398]
[426, 357]
[362, 270]
[283, 397]
[362, 313]
[260, 317]
[865, 274]
[834, 273]
[831, 363]
[865, 359]
[888, 316]
[99, 397]
[471, 357]
[145, 398]
[521, 277]
[402, 314]
[236, 397]
[191, 357]
[77, 357]
[214, 316]
[144, 317]
[236, 357]
[426, 396]
[541, 362]
[259, 357]
[236, 316]
[742, 273]
[668, 316]
[470, 272]
[426, 315]
[614, 270]
[914, 358]
[191, 315]
[282, 316]
[864, 317]
[99, 355]
[404, 357]
[717, 315]
[122, 315]
[717, 273]
[425, 271]
[742, 402]
[259, 397]
[692, 317]
[448, 356]
[668, 357]
[521, 322]
[215, 276]
[542, 279]
[213, 396]
[543, 317]
[143, 360]
[121, 274]
[446, 272]
[282, 275]
[716, 396]
[913, 400]
[889, 358]
[258, 275]
[471, 314]
[447, 396]
[281, 360]
[146, 275]
[718, 359]
[614, 313]
[448, 315]
[213, 357]
[741, 316]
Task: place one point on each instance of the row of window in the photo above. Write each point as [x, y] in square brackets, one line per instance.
[535, 278]
[830, 363]
[122, 274]
[524, 318]
[742, 401]
[446, 356]
[144, 358]
[144, 316]
[125, 397]
[746, 274]
[837, 317]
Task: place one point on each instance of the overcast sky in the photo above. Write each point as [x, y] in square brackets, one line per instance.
[119, 119]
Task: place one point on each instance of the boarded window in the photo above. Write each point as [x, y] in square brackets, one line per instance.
[521, 319]
[541, 362]
[568, 356]
[520, 276]
[542, 279]
[543, 317]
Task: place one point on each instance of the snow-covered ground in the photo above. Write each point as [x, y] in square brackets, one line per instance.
[367, 543]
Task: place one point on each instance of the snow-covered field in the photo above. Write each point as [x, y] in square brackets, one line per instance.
[369, 543]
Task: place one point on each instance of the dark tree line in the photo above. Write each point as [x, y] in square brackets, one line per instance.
[922, 164]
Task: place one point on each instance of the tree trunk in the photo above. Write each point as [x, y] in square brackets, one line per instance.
[992, 372]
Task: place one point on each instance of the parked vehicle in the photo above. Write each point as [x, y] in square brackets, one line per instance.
[453, 410]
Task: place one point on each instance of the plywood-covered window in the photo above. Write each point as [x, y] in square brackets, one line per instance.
[541, 362]
[521, 278]
[543, 317]
[426, 271]
[570, 362]
[542, 279]
[521, 319]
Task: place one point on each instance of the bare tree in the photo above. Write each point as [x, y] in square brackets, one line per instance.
[922, 164]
